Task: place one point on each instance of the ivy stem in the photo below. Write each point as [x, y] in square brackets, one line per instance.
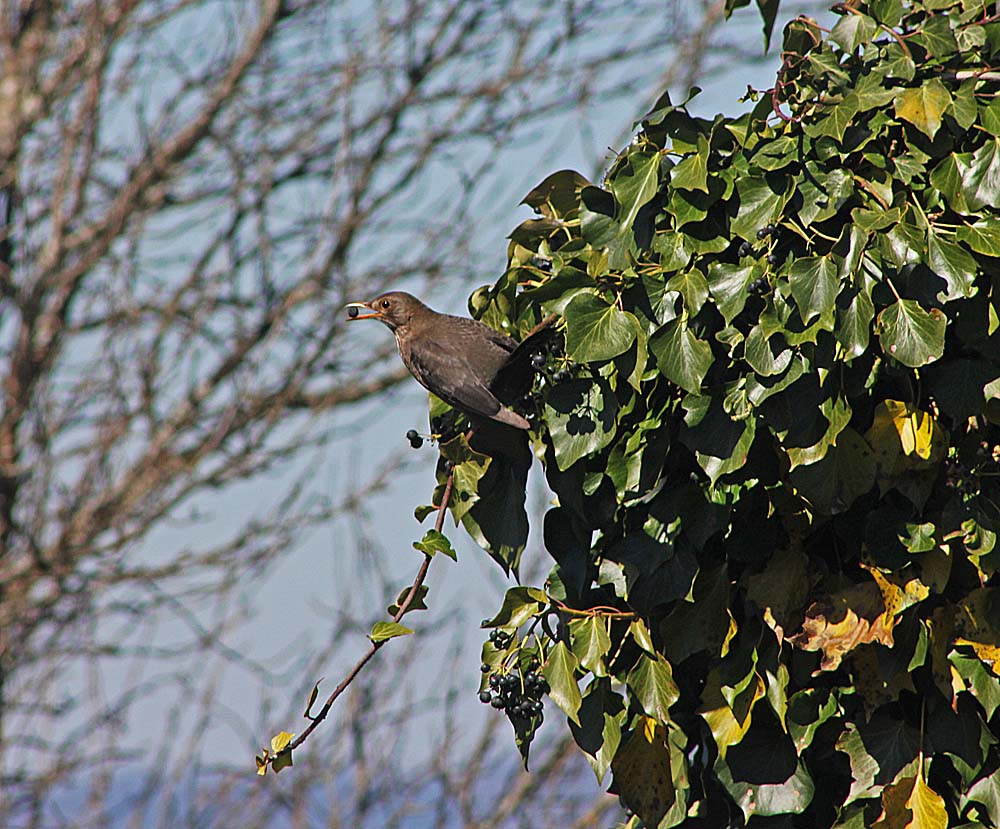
[376, 646]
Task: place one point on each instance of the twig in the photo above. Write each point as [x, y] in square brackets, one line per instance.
[375, 646]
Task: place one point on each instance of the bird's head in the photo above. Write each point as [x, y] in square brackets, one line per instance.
[396, 309]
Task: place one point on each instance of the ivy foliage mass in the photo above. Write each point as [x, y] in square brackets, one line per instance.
[774, 436]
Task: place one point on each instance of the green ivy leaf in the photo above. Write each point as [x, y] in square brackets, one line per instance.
[853, 30]
[519, 605]
[435, 542]
[381, 631]
[814, 285]
[595, 330]
[591, 643]
[953, 264]
[983, 236]
[680, 355]
[910, 334]
[635, 184]
[692, 172]
[854, 323]
[559, 671]
[652, 682]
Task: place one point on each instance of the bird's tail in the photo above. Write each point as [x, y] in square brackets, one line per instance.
[516, 376]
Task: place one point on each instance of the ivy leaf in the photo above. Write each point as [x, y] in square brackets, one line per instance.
[381, 631]
[595, 330]
[435, 542]
[642, 772]
[853, 30]
[597, 217]
[759, 204]
[591, 643]
[681, 356]
[980, 175]
[692, 172]
[519, 605]
[924, 106]
[854, 323]
[635, 185]
[983, 236]
[581, 416]
[728, 284]
[910, 334]
[814, 285]
[652, 682]
[559, 671]
[953, 264]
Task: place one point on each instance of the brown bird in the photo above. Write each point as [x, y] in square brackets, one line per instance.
[467, 364]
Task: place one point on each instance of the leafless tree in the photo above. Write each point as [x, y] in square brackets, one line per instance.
[189, 190]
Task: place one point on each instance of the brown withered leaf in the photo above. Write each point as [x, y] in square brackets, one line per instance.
[838, 624]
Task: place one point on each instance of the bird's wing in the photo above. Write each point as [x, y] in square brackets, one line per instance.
[447, 373]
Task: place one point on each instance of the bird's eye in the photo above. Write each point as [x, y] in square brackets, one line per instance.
[385, 303]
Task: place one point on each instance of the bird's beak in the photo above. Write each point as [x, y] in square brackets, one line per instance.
[352, 313]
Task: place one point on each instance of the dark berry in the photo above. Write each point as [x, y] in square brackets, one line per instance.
[496, 702]
[412, 435]
[538, 360]
[773, 259]
[484, 668]
[495, 681]
[745, 249]
[485, 697]
[762, 233]
[770, 228]
[416, 442]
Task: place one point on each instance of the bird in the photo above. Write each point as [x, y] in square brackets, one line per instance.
[470, 366]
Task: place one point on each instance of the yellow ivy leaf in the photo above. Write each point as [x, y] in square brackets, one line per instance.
[904, 437]
[923, 106]
[927, 807]
[727, 729]
[280, 740]
[261, 761]
[896, 593]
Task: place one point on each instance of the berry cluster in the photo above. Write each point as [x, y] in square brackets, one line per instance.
[758, 287]
[414, 438]
[500, 639]
[520, 696]
[746, 249]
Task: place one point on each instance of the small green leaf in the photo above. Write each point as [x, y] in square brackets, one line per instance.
[435, 542]
[910, 334]
[595, 330]
[381, 631]
[652, 682]
[416, 604]
[559, 671]
[519, 605]
[591, 643]
[282, 760]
